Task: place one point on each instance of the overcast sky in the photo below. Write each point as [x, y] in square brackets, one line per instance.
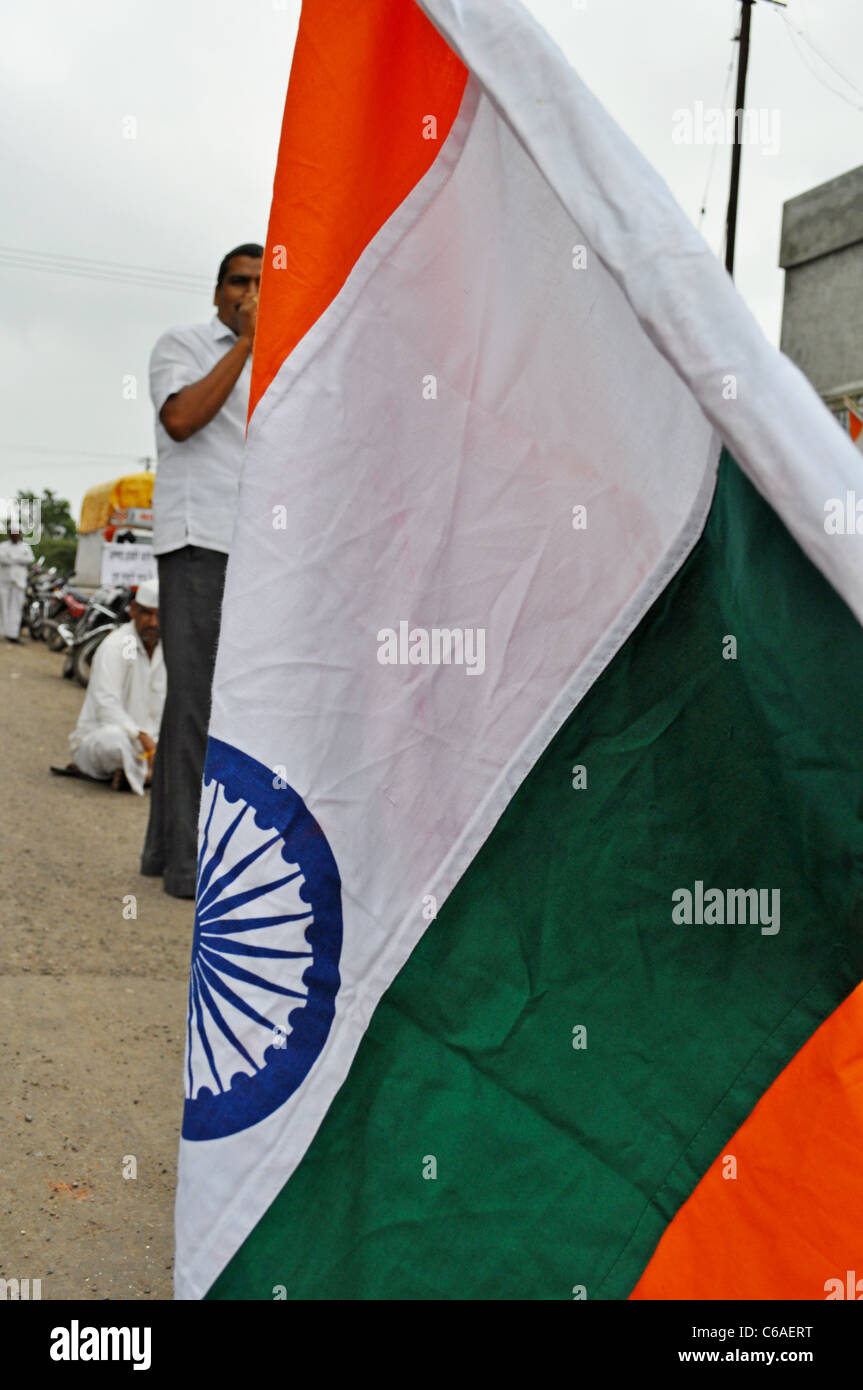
[205, 82]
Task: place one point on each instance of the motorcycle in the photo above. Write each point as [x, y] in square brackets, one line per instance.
[39, 597]
[58, 628]
[107, 609]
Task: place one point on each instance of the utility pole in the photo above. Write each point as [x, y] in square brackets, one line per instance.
[739, 112]
[739, 109]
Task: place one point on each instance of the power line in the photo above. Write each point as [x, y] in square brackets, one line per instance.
[78, 453]
[18, 258]
[99, 261]
[715, 147]
[824, 59]
[11, 263]
[151, 282]
[794, 34]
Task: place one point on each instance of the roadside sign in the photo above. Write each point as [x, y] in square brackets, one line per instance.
[127, 564]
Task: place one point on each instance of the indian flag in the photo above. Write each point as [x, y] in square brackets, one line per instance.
[528, 931]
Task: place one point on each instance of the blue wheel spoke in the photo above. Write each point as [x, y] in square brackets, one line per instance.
[205, 1041]
[227, 967]
[189, 1034]
[232, 997]
[228, 904]
[219, 852]
[205, 838]
[223, 1024]
[242, 948]
[237, 924]
[228, 878]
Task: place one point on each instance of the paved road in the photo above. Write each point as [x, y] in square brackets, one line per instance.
[92, 1012]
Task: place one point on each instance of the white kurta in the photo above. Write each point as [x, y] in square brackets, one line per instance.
[14, 560]
[125, 696]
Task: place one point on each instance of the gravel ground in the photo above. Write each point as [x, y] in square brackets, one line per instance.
[92, 1013]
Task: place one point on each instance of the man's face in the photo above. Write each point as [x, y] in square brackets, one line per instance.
[146, 622]
[243, 276]
[15, 537]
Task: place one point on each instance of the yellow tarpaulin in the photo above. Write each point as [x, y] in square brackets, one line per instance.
[102, 501]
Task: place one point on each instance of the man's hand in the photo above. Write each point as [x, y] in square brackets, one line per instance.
[247, 313]
[147, 743]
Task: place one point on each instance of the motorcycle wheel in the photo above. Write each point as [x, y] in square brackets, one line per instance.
[82, 658]
[54, 637]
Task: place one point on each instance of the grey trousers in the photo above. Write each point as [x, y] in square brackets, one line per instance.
[191, 581]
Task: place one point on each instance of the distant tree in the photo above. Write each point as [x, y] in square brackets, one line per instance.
[60, 553]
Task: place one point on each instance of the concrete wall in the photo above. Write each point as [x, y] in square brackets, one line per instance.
[822, 255]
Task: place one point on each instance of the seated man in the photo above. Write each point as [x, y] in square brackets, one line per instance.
[115, 737]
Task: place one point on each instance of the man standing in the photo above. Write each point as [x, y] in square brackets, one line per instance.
[115, 737]
[15, 556]
[199, 385]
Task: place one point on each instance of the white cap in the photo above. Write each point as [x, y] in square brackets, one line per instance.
[148, 594]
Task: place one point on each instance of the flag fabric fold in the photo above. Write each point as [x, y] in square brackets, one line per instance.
[492, 688]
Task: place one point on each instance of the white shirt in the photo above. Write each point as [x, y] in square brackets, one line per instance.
[126, 689]
[197, 481]
[14, 559]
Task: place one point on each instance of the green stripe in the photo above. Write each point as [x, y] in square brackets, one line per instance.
[560, 1167]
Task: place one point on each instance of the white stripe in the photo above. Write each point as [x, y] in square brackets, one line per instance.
[778, 429]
